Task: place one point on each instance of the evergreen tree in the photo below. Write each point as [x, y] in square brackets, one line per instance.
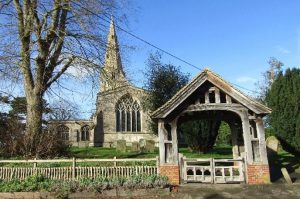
[163, 82]
[200, 134]
[284, 99]
[224, 135]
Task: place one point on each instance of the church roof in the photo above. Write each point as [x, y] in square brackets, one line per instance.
[216, 80]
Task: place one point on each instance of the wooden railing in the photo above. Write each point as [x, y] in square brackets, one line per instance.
[76, 172]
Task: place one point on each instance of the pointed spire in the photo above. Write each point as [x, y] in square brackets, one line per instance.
[112, 40]
[113, 74]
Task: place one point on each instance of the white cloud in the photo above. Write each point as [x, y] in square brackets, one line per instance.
[282, 50]
[77, 72]
[245, 79]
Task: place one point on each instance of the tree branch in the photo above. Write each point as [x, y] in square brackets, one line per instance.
[63, 69]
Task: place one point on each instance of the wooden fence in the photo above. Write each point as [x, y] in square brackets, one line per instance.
[77, 172]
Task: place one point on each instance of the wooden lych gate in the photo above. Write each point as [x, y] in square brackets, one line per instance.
[209, 93]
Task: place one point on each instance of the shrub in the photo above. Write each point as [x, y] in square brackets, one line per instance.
[63, 188]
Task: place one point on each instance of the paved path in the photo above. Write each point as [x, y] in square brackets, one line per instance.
[187, 191]
[205, 191]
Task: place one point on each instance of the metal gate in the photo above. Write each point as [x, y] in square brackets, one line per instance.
[212, 170]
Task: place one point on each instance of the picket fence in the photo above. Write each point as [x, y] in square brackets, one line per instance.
[76, 172]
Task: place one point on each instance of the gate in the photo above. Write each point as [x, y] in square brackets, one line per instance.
[212, 170]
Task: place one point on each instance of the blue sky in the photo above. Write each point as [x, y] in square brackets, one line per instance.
[234, 38]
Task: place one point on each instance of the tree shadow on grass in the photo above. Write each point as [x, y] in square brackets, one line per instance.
[215, 196]
[283, 160]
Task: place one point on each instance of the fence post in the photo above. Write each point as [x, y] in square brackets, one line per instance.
[157, 164]
[34, 167]
[115, 162]
[73, 168]
[34, 164]
[212, 162]
[180, 157]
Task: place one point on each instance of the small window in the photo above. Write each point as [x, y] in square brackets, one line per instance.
[85, 133]
[63, 132]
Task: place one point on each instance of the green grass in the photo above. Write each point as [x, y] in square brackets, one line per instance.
[217, 152]
[99, 152]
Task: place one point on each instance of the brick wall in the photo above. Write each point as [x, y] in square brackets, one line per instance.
[258, 174]
[172, 172]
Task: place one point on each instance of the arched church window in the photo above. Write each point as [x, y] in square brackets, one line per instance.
[63, 132]
[128, 115]
[85, 133]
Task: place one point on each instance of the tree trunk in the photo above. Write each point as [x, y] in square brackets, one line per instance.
[33, 123]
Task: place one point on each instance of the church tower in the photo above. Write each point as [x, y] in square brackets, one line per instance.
[112, 74]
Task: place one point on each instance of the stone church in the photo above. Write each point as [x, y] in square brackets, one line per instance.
[119, 113]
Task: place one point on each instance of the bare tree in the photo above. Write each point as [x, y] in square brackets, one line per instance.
[63, 110]
[42, 39]
[269, 77]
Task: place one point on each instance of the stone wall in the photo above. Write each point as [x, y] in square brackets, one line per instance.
[258, 174]
[106, 104]
[75, 131]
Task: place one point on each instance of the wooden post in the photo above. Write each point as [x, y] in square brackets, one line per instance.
[228, 99]
[246, 136]
[73, 168]
[206, 97]
[161, 137]
[174, 141]
[35, 164]
[157, 164]
[235, 147]
[212, 173]
[184, 170]
[115, 162]
[262, 140]
[181, 171]
[217, 96]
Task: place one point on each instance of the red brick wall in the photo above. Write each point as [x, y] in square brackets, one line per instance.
[258, 174]
[172, 172]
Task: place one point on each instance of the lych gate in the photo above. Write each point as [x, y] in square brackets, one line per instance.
[207, 92]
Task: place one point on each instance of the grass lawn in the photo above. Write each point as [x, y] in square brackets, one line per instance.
[99, 152]
[282, 159]
[216, 152]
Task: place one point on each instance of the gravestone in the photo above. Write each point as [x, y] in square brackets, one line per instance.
[142, 144]
[150, 146]
[121, 145]
[135, 147]
[272, 145]
[286, 176]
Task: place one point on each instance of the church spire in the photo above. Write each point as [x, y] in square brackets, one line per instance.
[112, 74]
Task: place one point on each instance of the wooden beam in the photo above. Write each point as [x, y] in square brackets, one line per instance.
[217, 96]
[246, 136]
[228, 99]
[174, 141]
[207, 97]
[262, 140]
[161, 144]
